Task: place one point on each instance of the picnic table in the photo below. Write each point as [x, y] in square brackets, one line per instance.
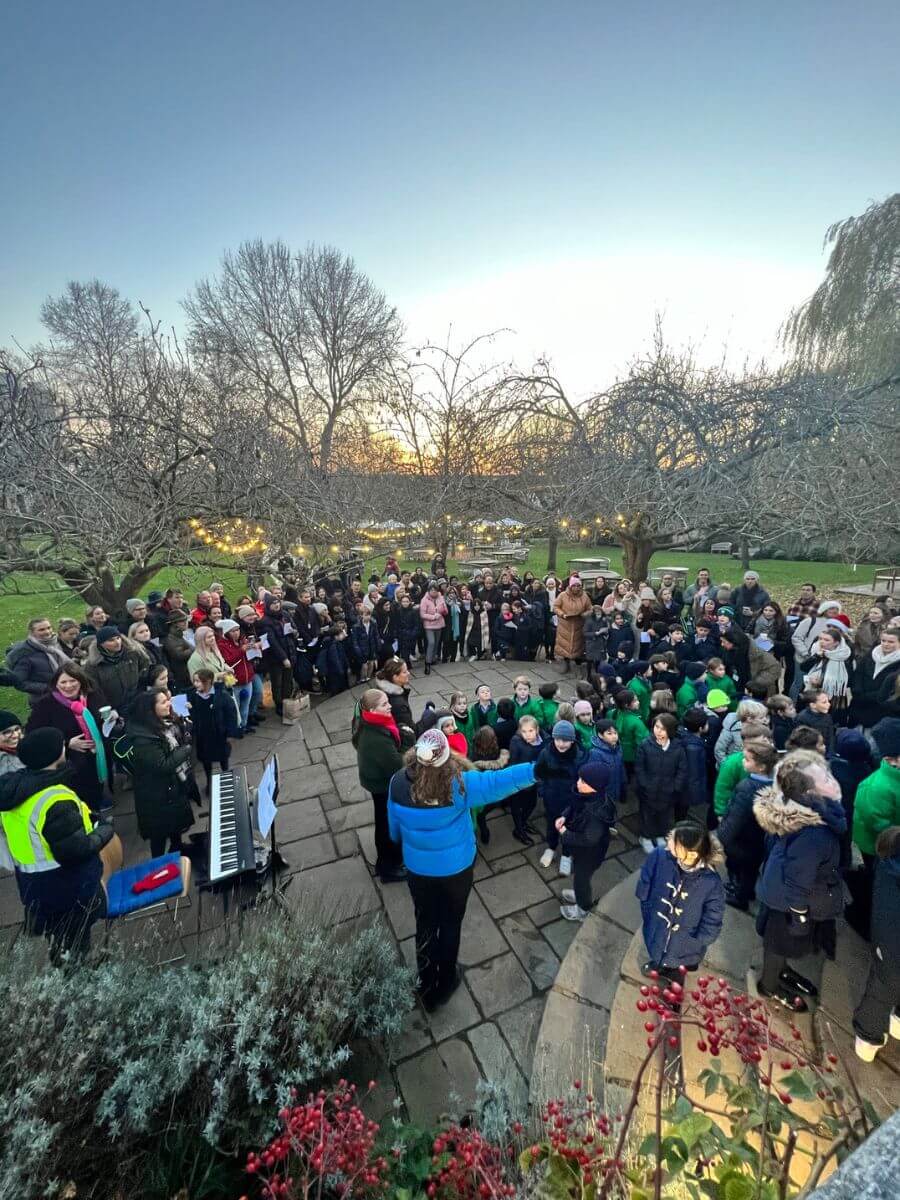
[588, 564]
[886, 580]
[478, 564]
[592, 574]
[679, 574]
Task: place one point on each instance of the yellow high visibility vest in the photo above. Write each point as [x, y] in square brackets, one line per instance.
[23, 828]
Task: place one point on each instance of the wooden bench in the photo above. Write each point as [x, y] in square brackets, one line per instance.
[886, 580]
[720, 548]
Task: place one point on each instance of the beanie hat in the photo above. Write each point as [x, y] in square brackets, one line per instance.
[606, 671]
[584, 708]
[646, 593]
[574, 581]
[826, 604]
[131, 605]
[154, 597]
[8, 719]
[176, 616]
[245, 611]
[225, 625]
[564, 731]
[853, 745]
[725, 611]
[717, 699]
[41, 748]
[432, 748]
[107, 633]
[695, 670]
[886, 734]
[596, 775]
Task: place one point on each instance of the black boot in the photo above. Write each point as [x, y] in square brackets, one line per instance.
[483, 832]
[428, 668]
[521, 836]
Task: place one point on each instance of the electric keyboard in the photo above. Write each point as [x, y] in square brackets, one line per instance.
[230, 826]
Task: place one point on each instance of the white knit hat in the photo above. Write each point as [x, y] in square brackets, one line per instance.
[225, 625]
[432, 748]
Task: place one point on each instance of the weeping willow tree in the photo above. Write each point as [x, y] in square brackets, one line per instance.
[851, 323]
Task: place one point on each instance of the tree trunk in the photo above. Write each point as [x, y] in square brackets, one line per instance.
[103, 589]
[744, 546]
[636, 555]
[552, 548]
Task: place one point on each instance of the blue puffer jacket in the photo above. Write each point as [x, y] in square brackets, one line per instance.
[682, 910]
[439, 840]
[697, 774]
[803, 853]
[611, 757]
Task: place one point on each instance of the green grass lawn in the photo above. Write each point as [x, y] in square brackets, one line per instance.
[781, 577]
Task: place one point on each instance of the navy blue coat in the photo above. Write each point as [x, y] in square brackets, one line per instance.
[803, 854]
[695, 752]
[611, 757]
[886, 909]
[703, 651]
[682, 910]
[618, 637]
[365, 642]
[743, 840]
[331, 663]
[556, 774]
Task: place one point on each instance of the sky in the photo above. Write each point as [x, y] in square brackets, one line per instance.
[560, 170]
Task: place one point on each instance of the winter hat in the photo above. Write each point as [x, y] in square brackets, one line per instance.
[131, 605]
[836, 623]
[225, 625]
[107, 633]
[695, 670]
[432, 749]
[289, 606]
[574, 581]
[646, 593]
[247, 610]
[178, 617]
[886, 734]
[717, 699]
[853, 745]
[8, 719]
[595, 775]
[826, 604]
[443, 719]
[564, 731]
[43, 747]
[606, 671]
[725, 611]
[154, 597]
[584, 708]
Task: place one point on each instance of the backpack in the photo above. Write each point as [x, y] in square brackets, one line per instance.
[123, 753]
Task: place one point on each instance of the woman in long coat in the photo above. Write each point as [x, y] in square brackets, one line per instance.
[571, 607]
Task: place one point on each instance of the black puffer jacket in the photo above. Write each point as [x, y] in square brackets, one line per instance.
[78, 877]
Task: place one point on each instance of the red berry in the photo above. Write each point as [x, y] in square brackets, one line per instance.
[649, 1026]
[701, 1046]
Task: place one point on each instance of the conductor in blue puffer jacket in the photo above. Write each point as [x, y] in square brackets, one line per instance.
[429, 805]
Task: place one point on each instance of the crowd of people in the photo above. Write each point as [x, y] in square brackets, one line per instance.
[762, 748]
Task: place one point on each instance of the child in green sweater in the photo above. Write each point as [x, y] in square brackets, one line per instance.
[631, 729]
[526, 705]
[718, 677]
[549, 706]
[640, 687]
[584, 722]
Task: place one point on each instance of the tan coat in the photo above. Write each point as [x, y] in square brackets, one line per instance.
[571, 607]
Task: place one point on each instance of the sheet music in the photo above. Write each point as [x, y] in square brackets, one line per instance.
[265, 797]
[180, 705]
[188, 636]
[264, 642]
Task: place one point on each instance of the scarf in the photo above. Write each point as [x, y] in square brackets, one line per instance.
[454, 619]
[171, 734]
[88, 727]
[57, 656]
[383, 721]
[835, 680]
[883, 660]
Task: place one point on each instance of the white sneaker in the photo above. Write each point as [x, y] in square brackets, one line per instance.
[568, 895]
[613, 832]
[661, 842]
[565, 865]
[647, 845]
[867, 1050]
[472, 657]
[572, 912]
[894, 1027]
[547, 858]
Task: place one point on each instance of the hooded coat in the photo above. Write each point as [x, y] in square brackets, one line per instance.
[398, 699]
[611, 758]
[117, 677]
[571, 607]
[161, 800]
[33, 667]
[681, 910]
[803, 853]
[765, 669]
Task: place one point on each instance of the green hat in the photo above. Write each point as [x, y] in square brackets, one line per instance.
[717, 699]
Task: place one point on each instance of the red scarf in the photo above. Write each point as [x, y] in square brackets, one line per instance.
[384, 720]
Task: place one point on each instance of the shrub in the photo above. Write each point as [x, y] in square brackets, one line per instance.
[101, 1064]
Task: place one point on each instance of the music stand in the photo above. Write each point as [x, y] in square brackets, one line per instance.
[265, 809]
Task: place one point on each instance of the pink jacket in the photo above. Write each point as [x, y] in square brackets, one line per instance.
[433, 612]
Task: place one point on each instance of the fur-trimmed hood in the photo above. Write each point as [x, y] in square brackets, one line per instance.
[781, 817]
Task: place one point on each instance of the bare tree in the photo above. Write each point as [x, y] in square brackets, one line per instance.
[307, 333]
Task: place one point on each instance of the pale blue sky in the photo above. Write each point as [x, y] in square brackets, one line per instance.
[562, 168]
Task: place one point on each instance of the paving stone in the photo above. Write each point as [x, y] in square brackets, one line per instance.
[480, 869]
[736, 947]
[545, 912]
[313, 734]
[343, 755]
[342, 735]
[350, 816]
[370, 1060]
[502, 842]
[498, 1064]
[310, 852]
[315, 756]
[413, 1037]
[520, 1028]
[346, 843]
[597, 941]
[561, 934]
[509, 863]
[507, 893]
[531, 949]
[335, 718]
[305, 782]
[633, 859]
[338, 890]
[399, 908]
[366, 836]
[301, 819]
[292, 756]
[429, 1081]
[621, 905]
[330, 801]
[571, 1045]
[500, 983]
[480, 938]
[457, 1014]
[347, 785]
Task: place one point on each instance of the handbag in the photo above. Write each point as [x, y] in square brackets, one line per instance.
[291, 710]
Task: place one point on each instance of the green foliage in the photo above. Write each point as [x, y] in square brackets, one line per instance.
[101, 1064]
[408, 1148]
